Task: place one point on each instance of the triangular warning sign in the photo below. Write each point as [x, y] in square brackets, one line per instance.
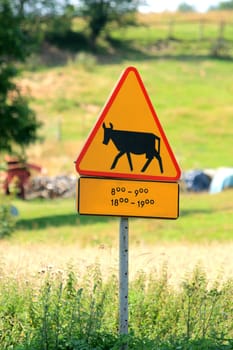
[128, 140]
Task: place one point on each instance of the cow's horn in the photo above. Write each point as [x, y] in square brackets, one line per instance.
[111, 126]
[104, 126]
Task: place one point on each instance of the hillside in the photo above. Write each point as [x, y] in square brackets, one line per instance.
[192, 97]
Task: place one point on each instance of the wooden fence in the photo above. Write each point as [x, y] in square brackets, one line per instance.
[220, 22]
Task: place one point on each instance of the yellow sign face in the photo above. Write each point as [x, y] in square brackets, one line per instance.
[128, 140]
[116, 197]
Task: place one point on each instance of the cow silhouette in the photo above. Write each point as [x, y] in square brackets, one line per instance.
[135, 142]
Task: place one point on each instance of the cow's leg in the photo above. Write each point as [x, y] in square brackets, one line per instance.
[149, 159]
[130, 161]
[146, 164]
[120, 154]
[157, 156]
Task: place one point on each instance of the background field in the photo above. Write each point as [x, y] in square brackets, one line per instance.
[191, 90]
[192, 98]
[54, 266]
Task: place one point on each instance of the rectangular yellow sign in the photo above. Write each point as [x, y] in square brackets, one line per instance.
[118, 197]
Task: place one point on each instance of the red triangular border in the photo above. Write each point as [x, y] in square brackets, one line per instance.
[98, 125]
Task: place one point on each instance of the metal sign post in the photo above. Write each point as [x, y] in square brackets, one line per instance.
[123, 277]
[127, 168]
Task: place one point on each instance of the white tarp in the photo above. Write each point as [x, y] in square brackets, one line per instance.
[222, 179]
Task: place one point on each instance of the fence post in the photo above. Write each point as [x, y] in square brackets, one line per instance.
[221, 30]
[201, 29]
[170, 28]
[59, 129]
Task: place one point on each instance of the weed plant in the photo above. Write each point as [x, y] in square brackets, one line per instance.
[60, 310]
[7, 219]
[85, 60]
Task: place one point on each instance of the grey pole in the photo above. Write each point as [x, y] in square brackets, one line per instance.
[123, 277]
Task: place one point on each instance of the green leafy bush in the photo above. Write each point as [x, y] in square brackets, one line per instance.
[7, 221]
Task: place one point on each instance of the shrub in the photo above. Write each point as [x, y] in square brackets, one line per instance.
[7, 220]
[59, 310]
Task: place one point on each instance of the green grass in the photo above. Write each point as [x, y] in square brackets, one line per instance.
[203, 218]
[63, 311]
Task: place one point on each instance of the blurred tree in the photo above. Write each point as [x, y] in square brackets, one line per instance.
[223, 5]
[18, 123]
[38, 18]
[99, 13]
[184, 7]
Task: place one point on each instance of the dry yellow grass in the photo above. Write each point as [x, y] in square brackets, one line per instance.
[181, 259]
[166, 16]
[48, 89]
[56, 157]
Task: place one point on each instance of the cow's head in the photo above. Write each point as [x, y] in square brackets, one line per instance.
[107, 133]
